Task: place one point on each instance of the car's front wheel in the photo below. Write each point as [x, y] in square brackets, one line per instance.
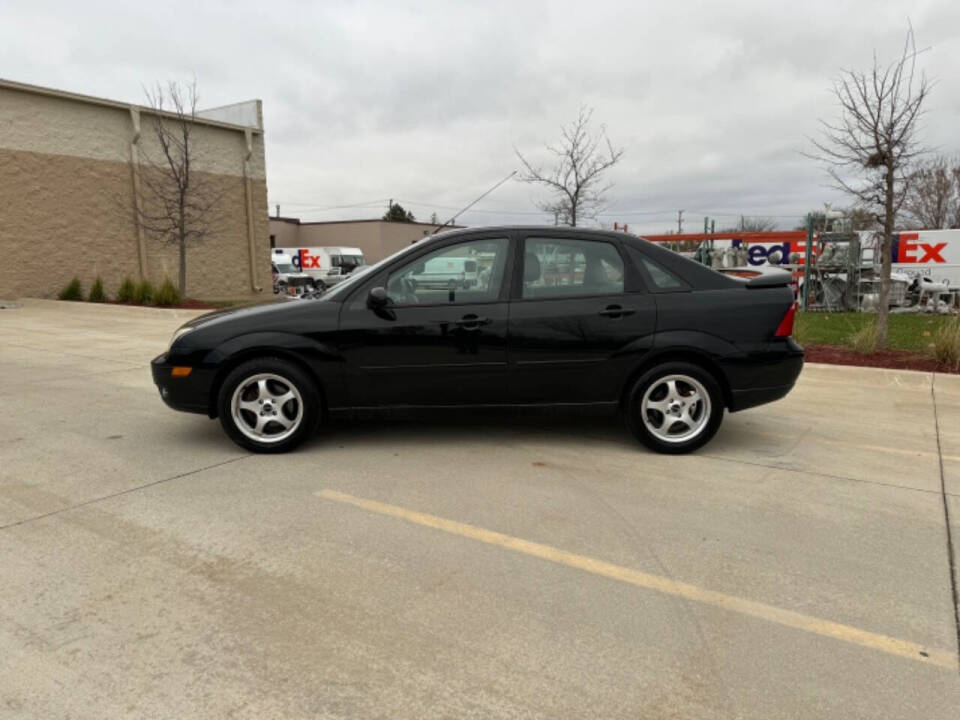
[675, 408]
[268, 405]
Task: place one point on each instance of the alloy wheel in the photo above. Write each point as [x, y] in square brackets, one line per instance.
[267, 407]
[675, 408]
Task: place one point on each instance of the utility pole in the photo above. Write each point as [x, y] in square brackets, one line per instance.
[278, 209]
[679, 222]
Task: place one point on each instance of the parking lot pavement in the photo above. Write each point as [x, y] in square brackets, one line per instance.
[469, 567]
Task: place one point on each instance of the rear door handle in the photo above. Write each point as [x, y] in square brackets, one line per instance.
[615, 311]
[472, 322]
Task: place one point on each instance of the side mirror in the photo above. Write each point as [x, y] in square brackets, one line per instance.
[377, 298]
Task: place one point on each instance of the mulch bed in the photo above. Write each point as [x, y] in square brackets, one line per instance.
[894, 359]
[186, 304]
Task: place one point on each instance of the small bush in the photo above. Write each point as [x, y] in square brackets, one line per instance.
[167, 295]
[96, 292]
[73, 290]
[864, 340]
[143, 294]
[946, 345]
[127, 291]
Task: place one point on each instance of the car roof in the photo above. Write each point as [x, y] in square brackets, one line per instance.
[551, 229]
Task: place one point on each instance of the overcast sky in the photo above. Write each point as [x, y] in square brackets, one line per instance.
[424, 102]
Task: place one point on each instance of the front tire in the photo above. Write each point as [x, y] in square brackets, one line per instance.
[268, 405]
[675, 408]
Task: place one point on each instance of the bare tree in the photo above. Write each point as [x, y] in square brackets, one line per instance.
[179, 205]
[870, 149]
[576, 177]
[933, 197]
[754, 224]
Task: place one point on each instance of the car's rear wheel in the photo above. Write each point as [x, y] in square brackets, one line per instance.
[675, 408]
[268, 405]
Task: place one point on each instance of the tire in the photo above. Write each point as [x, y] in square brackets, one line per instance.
[660, 413]
[269, 405]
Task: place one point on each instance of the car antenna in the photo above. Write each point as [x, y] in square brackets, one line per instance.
[454, 217]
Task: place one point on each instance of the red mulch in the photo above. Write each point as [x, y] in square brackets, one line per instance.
[895, 359]
[186, 304]
[191, 304]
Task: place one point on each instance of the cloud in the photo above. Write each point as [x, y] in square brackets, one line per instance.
[424, 102]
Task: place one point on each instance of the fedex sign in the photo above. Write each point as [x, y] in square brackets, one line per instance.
[759, 254]
[304, 260]
[908, 248]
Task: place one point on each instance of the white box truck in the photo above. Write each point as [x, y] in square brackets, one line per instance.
[326, 265]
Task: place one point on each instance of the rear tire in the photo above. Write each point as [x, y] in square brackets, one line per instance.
[269, 405]
[675, 408]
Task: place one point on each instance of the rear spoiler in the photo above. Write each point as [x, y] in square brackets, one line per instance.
[769, 280]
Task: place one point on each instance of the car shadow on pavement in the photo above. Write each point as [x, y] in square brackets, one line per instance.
[483, 427]
[473, 427]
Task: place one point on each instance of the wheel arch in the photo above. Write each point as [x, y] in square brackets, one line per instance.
[252, 353]
[690, 355]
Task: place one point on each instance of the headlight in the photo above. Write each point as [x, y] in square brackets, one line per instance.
[179, 333]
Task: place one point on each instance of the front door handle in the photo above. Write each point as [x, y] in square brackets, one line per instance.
[615, 311]
[472, 322]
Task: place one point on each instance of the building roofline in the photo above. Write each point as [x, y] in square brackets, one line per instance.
[92, 100]
[363, 220]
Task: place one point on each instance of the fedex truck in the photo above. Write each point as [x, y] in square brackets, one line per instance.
[326, 265]
[915, 253]
[924, 264]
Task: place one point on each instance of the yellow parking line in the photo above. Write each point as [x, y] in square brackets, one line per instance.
[770, 613]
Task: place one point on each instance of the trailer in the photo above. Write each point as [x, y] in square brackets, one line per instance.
[845, 268]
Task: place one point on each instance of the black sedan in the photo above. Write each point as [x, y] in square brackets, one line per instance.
[524, 317]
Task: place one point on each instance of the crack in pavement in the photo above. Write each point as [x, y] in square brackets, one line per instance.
[817, 473]
[951, 555]
[121, 492]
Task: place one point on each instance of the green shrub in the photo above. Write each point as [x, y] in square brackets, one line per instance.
[127, 291]
[143, 295]
[167, 295]
[946, 345]
[73, 290]
[96, 292]
[864, 340]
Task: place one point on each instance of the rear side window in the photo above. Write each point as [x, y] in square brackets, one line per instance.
[661, 278]
[561, 267]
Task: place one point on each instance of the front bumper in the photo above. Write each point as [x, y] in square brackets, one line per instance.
[188, 394]
[764, 377]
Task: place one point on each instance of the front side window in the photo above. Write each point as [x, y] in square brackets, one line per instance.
[468, 272]
[569, 268]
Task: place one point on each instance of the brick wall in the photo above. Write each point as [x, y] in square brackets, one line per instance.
[66, 202]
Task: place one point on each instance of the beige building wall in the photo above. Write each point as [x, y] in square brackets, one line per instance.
[376, 238]
[67, 199]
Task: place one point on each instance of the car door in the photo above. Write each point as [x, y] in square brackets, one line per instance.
[580, 319]
[440, 338]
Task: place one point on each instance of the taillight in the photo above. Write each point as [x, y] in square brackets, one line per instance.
[785, 328]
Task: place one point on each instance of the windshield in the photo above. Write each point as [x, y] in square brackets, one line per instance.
[285, 268]
[353, 279]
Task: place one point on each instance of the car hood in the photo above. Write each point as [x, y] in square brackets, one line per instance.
[244, 311]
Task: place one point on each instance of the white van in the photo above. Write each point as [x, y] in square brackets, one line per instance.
[326, 265]
[447, 272]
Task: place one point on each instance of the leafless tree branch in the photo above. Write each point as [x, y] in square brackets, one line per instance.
[180, 205]
[870, 150]
[575, 177]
